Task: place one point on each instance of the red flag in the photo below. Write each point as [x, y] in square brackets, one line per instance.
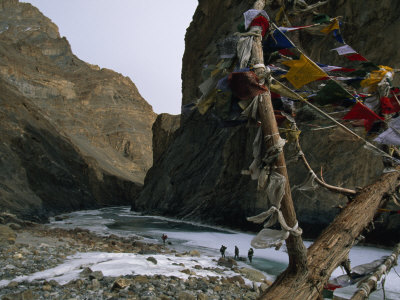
[389, 105]
[360, 111]
[356, 57]
[286, 52]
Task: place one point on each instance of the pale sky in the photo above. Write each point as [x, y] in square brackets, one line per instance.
[141, 39]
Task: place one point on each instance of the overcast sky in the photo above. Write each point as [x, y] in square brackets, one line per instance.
[141, 39]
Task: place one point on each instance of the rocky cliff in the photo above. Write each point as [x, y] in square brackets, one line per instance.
[199, 175]
[74, 135]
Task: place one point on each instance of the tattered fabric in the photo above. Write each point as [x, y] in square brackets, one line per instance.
[262, 22]
[245, 45]
[251, 14]
[390, 136]
[245, 85]
[227, 47]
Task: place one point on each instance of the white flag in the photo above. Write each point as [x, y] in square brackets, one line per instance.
[346, 49]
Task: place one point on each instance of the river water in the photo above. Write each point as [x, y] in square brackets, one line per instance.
[185, 236]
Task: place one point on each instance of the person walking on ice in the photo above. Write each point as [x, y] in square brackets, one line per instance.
[222, 250]
[236, 252]
[164, 238]
[250, 254]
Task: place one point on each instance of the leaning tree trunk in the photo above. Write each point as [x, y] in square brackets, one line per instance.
[333, 245]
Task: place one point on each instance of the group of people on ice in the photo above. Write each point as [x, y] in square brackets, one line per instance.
[250, 253]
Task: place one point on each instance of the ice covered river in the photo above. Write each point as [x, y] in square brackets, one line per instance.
[184, 236]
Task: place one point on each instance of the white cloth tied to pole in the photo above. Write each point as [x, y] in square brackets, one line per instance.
[245, 45]
[267, 238]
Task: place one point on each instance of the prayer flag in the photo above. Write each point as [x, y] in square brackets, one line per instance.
[334, 25]
[245, 85]
[362, 112]
[388, 106]
[328, 68]
[262, 22]
[376, 76]
[288, 29]
[284, 91]
[303, 71]
[392, 135]
[251, 14]
[338, 36]
[346, 49]
[356, 57]
[331, 92]
[277, 42]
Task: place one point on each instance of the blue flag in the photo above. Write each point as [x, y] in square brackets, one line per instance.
[277, 42]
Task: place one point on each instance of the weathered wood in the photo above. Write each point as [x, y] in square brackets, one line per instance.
[296, 249]
[369, 285]
[334, 243]
[336, 189]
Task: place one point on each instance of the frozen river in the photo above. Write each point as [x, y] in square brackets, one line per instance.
[184, 236]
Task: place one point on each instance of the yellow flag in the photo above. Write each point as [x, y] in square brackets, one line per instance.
[284, 91]
[375, 77]
[303, 71]
[334, 25]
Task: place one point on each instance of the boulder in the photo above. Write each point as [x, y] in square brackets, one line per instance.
[7, 235]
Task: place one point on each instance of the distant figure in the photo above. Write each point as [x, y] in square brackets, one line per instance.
[236, 252]
[164, 238]
[250, 254]
[222, 250]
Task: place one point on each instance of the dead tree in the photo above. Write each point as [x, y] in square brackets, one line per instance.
[307, 273]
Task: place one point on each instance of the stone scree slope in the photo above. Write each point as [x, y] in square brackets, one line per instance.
[74, 135]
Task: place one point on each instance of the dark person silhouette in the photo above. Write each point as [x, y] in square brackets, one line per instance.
[222, 250]
[164, 238]
[250, 254]
[236, 252]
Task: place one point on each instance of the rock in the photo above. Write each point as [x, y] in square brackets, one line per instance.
[141, 279]
[236, 278]
[185, 296]
[263, 287]
[95, 284]
[121, 283]
[14, 226]
[194, 253]
[12, 284]
[7, 235]
[46, 287]
[25, 295]
[227, 262]
[85, 272]
[253, 275]
[201, 296]
[98, 275]
[187, 271]
[60, 151]
[152, 259]
[163, 130]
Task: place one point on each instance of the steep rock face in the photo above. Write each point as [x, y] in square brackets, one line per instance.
[198, 176]
[163, 130]
[99, 112]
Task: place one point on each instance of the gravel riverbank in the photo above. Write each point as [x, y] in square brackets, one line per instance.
[29, 250]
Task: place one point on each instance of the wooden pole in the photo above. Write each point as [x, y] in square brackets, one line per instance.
[369, 285]
[296, 249]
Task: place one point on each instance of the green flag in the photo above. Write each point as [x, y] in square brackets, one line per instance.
[331, 92]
